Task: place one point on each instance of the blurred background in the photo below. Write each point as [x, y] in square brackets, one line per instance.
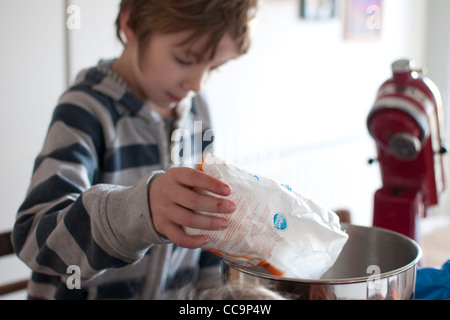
[294, 109]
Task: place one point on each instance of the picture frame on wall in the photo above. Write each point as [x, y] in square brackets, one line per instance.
[363, 20]
[317, 9]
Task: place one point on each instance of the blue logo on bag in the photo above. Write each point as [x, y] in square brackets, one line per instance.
[279, 222]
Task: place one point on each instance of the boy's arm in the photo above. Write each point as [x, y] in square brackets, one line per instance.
[65, 220]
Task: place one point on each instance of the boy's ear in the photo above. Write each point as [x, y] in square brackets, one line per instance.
[127, 31]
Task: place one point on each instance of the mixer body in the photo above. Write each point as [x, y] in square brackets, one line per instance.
[406, 123]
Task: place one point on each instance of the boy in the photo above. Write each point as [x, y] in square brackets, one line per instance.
[105, 205]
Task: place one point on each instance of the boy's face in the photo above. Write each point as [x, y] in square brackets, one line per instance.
[169, 72]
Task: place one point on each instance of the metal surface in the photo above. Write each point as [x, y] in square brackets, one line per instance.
[402, 65]
[405, 146]
[375, 264]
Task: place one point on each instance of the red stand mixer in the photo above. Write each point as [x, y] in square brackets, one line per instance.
[405, 122]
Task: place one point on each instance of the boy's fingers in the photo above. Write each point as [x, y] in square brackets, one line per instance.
[195, 201]
[198, 179]
[181, 239]
[190, 219]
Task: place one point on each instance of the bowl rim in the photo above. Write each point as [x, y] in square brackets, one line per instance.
[411, 265]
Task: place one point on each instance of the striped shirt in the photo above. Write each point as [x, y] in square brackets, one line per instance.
[86, 211]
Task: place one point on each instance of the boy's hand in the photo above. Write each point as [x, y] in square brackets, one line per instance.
[174, 203]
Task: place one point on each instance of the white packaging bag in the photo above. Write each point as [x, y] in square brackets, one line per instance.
[272, 226]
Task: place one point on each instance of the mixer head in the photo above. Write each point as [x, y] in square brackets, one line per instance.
[406, 123]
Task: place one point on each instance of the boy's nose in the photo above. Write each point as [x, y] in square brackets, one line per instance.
[195, 82]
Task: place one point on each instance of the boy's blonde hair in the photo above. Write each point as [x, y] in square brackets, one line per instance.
[213, 18]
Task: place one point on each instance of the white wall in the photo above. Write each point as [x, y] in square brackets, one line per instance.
[438, 69]
[32, 77]
[303, 95]
[95, 36]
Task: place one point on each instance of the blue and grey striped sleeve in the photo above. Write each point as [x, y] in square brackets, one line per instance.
[67, 218]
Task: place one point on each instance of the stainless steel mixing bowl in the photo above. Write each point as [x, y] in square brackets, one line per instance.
[375, 264]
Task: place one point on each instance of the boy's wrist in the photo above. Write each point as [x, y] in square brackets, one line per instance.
[128, 217]
[154, 176]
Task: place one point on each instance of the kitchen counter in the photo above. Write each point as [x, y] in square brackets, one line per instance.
[435, 241]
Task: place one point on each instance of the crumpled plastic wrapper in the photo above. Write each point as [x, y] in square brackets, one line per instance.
[273, 227]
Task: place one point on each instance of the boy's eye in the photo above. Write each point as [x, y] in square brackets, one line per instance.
[183, 62]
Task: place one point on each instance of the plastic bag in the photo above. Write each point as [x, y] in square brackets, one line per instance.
[273, 226]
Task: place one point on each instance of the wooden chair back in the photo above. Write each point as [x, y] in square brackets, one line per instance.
[7, 249]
